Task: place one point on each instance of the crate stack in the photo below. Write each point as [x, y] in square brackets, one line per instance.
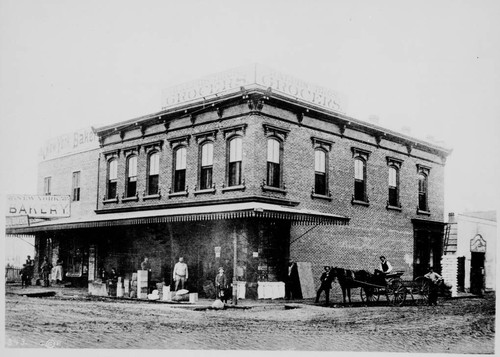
[449, 272]
[142, 284]
[133, 286]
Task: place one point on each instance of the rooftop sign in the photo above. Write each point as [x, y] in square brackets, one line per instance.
[231, 82]
[71, 143]
[38, 206]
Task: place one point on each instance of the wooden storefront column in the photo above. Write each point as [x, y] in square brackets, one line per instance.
[235, 266]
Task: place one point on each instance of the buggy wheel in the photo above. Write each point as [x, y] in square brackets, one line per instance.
[367, 295]
[421, 288]
[398, 292]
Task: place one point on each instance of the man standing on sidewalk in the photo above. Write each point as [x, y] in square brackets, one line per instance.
[326, 285]
[180, 273]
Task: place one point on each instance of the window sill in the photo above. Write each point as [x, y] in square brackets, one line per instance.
[130, 199]
[234, 188]
[361, 203]
[205, 191]
[110, 200]
[151, 197]
[273, 189]
[394, 208]
[425, 213]
[178, 194]
[321, 197]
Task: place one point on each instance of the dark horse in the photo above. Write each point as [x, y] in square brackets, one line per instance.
[349, 279]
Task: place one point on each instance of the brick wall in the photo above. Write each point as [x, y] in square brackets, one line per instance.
[61, 172]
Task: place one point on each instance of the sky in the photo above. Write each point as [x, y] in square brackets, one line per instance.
[433, 67]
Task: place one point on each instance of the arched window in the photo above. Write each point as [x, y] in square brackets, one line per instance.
[359, 180]
[112, 178]
[393, 186]
[131, 179]
[273, 163]
[153, 173]
[320, 172]
[235, 159]
[422, 192]
[206, 165]
[180, 169]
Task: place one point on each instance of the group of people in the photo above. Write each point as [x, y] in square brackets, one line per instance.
[180, 276]
[384, 268]
[27, 272]
[47, 272]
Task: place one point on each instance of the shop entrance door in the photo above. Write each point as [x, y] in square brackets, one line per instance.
[477, 273]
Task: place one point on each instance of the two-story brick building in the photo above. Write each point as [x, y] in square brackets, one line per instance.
[270, 172]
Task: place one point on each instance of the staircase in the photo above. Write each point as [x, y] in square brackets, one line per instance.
[450, 236]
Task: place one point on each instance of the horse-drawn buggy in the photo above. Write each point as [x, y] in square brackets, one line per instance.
[392, 287]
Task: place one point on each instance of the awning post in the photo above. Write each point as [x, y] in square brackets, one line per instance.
[235, 266]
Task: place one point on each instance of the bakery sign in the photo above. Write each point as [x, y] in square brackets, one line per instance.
[37, 206]
[70, 143]
[231, 82]
[478, 244]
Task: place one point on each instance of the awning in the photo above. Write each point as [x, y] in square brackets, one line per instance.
[188, 214]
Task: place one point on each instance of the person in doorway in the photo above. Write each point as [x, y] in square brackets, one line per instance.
[146, 265]
[291, 281]
[326, 285]
[30, 265]
[435, 281]
[24, 276]
[221, 286]
[46, 268]
[180, 274]
[112, 282]
[58, 271]
[384, 267]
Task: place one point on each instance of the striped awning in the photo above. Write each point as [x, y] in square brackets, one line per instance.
[188, 214]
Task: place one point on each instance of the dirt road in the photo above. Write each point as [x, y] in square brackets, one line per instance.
[458, 326]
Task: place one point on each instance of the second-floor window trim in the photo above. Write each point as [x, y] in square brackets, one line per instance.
[423, 189]
[47, 186]
[234, 161]
[75, 186]
[153, 174]
[179, 169]
[131, 177]
[112, 179]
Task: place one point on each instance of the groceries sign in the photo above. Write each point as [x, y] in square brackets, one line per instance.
[70, 143]
[37, 206]
[231, 81]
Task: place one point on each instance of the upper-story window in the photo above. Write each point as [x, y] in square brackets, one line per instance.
[360, 156]
[235, 159]
[422, 192]
[153, 173]
[273, 163]
[206, 165]
[393, 186]
[131, 179]
[359, 180]
[75, 190]
[423, 189]
[112, 178]
[394, 167]
[320, 172]
[180, 169]
[47, 186]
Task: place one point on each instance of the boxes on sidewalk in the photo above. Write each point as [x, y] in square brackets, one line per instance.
[167, 294]
[142, 284]
[193, 298]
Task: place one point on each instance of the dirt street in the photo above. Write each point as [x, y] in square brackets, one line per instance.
[458, 326]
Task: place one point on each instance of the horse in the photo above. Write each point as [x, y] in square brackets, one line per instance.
[349, 279]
